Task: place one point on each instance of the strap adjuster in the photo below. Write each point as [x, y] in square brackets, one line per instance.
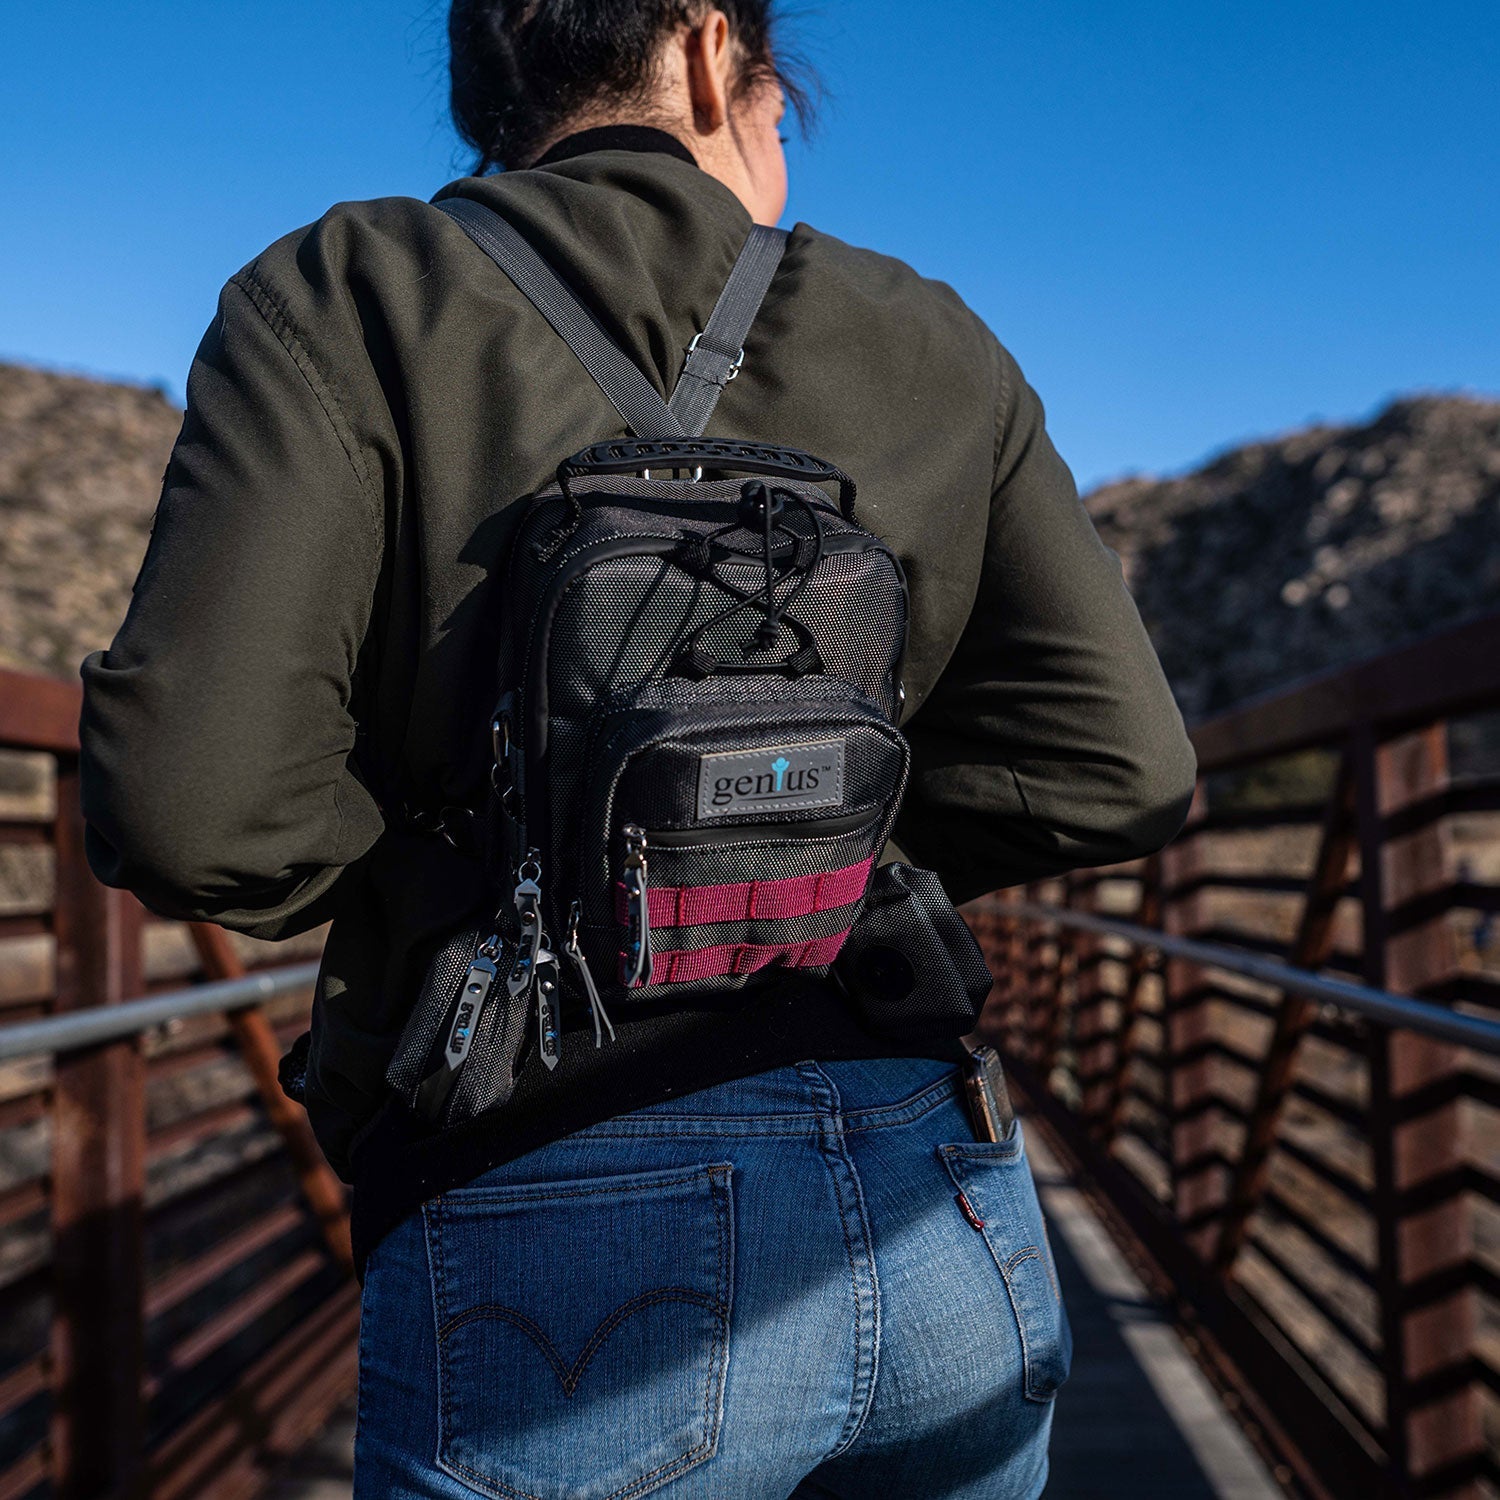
[736, 365]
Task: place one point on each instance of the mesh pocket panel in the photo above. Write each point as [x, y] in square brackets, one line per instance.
[419, 1039]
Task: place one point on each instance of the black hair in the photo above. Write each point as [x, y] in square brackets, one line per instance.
[520, 69]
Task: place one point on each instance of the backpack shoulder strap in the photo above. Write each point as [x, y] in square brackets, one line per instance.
[713, 359]
[715, 355]
[630, 393]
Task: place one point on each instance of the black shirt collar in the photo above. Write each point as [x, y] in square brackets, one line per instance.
[616, 138]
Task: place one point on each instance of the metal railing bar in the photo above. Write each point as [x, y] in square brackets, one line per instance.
[1398, 1011]
[109, 1023]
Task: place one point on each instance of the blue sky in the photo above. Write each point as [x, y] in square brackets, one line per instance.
[1191, 223]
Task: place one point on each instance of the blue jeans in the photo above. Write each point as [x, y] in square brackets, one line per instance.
[812, 1282]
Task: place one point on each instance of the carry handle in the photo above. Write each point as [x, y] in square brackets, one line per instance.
[631, 455]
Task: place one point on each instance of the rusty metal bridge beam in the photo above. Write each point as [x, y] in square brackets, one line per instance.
[98, 1185]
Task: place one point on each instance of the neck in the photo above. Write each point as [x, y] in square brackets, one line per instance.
[715, 152]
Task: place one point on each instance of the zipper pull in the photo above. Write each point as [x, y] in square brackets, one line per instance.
[549, 1032]
[472, 994]
[586, 975]
[502, 773]
[636, 965]
[528, 903]
[469, 1005]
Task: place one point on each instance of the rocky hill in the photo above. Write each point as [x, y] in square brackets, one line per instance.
[80, 470]
[1296, 555]
[1273, 561]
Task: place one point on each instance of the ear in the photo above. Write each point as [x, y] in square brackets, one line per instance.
[710, 70]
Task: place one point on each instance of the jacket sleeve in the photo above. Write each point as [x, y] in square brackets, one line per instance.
[1051, 741]
[216, 733]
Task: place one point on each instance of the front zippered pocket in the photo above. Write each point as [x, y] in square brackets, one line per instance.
[750, 833]
[736, 927]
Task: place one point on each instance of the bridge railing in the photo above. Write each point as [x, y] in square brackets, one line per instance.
[1313, 1176]
[176, 1308]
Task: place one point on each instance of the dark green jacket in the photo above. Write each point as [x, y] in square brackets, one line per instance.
[311, 642]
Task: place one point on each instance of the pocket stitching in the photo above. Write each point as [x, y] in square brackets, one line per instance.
[1034, 1252]
[1026, 1359]
[986, 1151]
[542, 1192]
[596, 1340]
[718, 1177]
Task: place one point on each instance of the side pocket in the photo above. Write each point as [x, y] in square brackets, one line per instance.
[582, 1331]
[457, 1054]
[995, 1183]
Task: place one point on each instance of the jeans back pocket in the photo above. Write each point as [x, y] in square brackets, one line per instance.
[994, 1180]
[582, 1331]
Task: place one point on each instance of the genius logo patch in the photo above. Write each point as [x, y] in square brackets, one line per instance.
[784, 778]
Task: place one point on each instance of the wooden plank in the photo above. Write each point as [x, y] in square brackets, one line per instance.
[275, 1407]
[24, 1475]
[22, 1201]
[1142, 967]
[200, 1125]
[254, 1303]
[19, 1385]
[24, 833]
[203, 1270]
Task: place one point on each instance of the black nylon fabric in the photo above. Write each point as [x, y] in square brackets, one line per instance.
[911, 967]
[618, 593]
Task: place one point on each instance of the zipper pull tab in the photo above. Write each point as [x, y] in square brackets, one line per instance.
[549, 1032]
[472, 994]
[586, 976]
[474, 991]
[636, 963]
[528, 903]
[502, 773]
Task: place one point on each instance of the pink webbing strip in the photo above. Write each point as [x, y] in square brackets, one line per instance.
[751, 900]
[683, 965]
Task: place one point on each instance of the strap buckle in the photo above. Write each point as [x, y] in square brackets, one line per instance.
[734, 368]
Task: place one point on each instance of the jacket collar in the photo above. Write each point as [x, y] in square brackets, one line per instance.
[616, 138]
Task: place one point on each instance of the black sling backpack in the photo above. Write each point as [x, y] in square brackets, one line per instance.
[696, 759]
